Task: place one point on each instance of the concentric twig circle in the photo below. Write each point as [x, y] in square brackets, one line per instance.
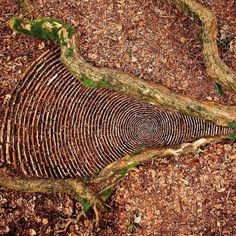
[55, 127]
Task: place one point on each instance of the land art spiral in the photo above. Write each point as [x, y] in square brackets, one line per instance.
[54, 127]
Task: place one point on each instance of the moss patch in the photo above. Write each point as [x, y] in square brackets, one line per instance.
[69, 52]
[44, 28]
[85, 203]
[232, 125]
[126, 169]
[106, 193]
[88, 82]
[139, 151]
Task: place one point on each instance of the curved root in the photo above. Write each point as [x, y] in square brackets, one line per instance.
[215, 67]
[118, 81]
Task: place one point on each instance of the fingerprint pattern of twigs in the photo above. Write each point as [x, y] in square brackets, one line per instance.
[56, 128]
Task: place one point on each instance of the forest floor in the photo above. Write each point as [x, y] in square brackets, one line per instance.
[186, 195]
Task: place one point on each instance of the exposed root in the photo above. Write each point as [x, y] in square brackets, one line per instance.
[106, 179]
[96, 214]
[81, 214]
[130, 86]
[70, 221]
[116, 170]
[151, 93]
[215, 67]
[118, 81]
[78, 218]
[73, 187]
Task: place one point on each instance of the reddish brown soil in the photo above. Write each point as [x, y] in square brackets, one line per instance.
[188, 195]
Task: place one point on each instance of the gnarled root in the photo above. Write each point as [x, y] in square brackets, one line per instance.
[73, 187]
[116, 170]
[104, 182]
[78, 218]
[118, 81]
[215, 67]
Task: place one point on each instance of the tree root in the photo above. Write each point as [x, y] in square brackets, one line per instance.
[112, 79]
[118, 169]
[72, 187]
[215, 67]
[105, 181]
[78, 218]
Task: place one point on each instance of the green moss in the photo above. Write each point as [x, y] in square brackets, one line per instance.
[126, 169]
[87, 82]
[138, 152]
[219, 89]
[103, 84]
[44, 28]
[232, 125]
[106, 193]
[85, 203]
[69, 52]
[15, 22]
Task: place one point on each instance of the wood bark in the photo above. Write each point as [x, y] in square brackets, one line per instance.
[94, 77]
[215, 67]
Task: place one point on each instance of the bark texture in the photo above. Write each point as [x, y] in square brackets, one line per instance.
[118, 81]
[105, 181]
[215, 67]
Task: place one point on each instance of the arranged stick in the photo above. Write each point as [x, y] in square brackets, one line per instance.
[94, 77]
